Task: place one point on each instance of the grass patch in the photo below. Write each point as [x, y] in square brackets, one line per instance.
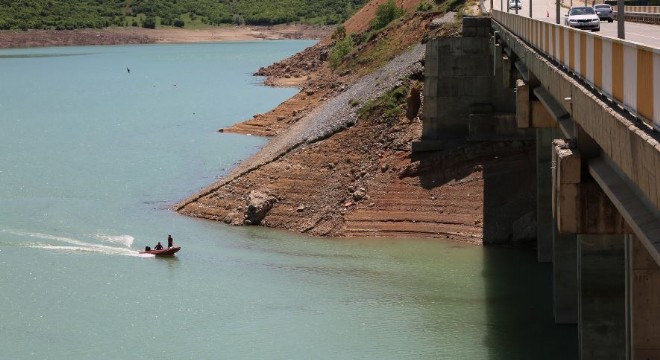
[451, 5]
[342, 47]
[388, 107]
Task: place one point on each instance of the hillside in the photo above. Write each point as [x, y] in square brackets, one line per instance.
[340, 162]
[68, 15]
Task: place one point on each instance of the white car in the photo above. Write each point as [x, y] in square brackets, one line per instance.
[515, 4]
[582, 17]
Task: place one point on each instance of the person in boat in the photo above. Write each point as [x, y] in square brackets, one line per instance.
[158, 246]
[170, 241]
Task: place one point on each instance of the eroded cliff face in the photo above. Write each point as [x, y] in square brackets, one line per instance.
[362, 178]
[363, 181]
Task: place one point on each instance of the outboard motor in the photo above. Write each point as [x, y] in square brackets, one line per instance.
[147, 248]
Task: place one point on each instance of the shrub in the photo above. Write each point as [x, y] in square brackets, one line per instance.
[385, 13]
[149, 23]
[424, 6]
[340, 33]
[238, 20]
[390, 105]
[342, 48]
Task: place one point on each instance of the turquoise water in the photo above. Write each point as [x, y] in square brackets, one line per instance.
[92, 157]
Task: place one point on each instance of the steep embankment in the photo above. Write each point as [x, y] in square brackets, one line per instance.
[332, 172]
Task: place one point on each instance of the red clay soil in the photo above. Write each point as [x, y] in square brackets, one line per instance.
[361, 20]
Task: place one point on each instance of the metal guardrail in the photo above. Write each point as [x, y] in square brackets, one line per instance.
[640, 9]
[627, 72]
[640, 17]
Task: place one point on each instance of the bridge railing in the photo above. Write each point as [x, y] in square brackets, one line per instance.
[627, 72]
[640, 17]
[639, 9]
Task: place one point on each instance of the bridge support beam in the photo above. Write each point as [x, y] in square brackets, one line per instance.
[579, 205]
[530, 112]
[602, 297]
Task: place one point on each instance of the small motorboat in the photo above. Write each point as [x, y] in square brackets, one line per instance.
[163, 252]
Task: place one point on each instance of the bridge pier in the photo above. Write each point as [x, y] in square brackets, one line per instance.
[644, 302]
[565, 277]
[602, 297]
[544, 218]
[458, 83]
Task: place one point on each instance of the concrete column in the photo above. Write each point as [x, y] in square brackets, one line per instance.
[523, 115]
[645, 302]
[430, 125]
[458, 82]
[602, 297]
[565, 277]
[544, 219]
[503, 98]
[507, 69]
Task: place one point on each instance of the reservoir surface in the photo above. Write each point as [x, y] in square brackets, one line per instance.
[96, 145]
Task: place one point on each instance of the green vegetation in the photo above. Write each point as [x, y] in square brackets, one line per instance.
[390, 33]
[76, 14]
[391, 105]
[343, 46]
[383, 50]
[385, 13]
[424, 6]
[451, 5]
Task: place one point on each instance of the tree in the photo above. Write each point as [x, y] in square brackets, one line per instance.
[149, 23]
[385, 13]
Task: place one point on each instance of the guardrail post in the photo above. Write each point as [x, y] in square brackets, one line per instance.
[621, 19]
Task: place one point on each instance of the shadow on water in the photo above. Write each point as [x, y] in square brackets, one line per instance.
[519, 308]
[518, 288]
[519, 313]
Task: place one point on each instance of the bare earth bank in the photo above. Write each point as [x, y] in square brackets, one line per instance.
[117, 36]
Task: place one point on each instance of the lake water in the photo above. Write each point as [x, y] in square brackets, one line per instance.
[91, 158]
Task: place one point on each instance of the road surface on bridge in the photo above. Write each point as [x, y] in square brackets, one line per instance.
[545, 10]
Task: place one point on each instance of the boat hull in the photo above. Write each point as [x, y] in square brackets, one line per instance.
[164, 252]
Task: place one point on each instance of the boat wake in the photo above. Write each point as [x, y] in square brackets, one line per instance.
[68, 244]
[125, 240]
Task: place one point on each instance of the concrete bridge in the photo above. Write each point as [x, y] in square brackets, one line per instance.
[593, 105]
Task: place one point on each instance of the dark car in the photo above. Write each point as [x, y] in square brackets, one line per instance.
[604, 11]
